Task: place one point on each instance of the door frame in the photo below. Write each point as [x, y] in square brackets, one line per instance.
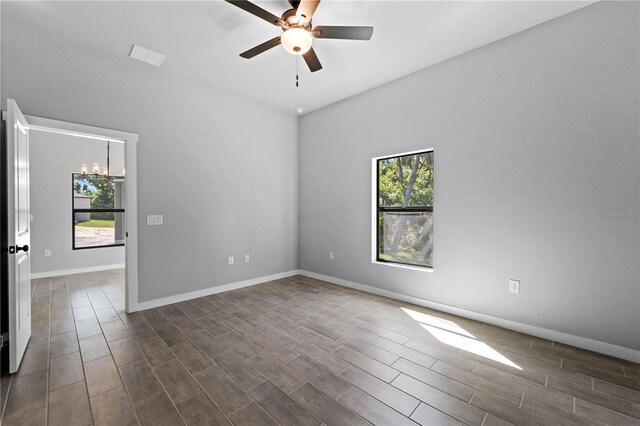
[130, 184]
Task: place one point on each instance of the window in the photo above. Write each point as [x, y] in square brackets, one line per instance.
[98, 216]
[404, 210]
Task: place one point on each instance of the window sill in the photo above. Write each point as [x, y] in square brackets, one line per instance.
[96, 247]
[399, 265]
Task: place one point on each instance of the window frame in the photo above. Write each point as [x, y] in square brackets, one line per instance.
[73, 217]
[376, 210]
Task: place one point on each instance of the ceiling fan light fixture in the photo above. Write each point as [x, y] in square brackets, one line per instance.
[296, 41]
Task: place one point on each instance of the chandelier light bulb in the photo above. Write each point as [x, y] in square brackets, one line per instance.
[95, 169]
[296, 41]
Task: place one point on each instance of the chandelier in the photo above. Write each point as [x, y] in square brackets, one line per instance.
[106, 171]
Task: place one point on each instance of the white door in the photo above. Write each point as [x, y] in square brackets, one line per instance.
[18, 237]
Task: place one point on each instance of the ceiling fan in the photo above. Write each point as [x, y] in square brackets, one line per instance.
[298, 32]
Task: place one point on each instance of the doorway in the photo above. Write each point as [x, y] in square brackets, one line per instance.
[107, 224]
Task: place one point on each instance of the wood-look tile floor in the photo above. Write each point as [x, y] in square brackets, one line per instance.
[297, 351]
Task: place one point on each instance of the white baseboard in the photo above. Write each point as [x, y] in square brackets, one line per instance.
[213, 290]
[76, 271]
[544, 333]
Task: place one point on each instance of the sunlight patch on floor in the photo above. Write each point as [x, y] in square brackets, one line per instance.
[470, 345]
[437, 322]
[452, 334]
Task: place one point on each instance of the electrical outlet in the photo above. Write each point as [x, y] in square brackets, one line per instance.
[47, 252]
[247, 258]
[330, 255]
[230, 260]
[154, 219]
[514, 286]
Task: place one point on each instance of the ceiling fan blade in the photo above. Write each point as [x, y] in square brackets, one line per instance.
[343, 33]
[312, 60]
[261, 48]
[306, 9]
[256, 10]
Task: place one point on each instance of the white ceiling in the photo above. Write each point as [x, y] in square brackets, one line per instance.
[202, 40]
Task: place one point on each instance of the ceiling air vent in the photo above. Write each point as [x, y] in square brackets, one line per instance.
[145, 55]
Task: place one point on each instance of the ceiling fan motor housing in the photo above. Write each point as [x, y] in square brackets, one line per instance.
[292, 21]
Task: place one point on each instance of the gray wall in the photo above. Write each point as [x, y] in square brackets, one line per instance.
[222, 170]
[52, 160]
[536, 137]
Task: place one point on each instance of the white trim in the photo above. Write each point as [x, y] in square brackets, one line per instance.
[213, 290]
[374, 209]
[80, 130]
[76, 271]
[557, 336]
[130, 184]
[401, 265]
[73, 133]
[402, 154]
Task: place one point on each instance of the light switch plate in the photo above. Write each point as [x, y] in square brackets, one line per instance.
[155, 219]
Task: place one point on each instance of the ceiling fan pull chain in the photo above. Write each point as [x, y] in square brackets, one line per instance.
[297, 62]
